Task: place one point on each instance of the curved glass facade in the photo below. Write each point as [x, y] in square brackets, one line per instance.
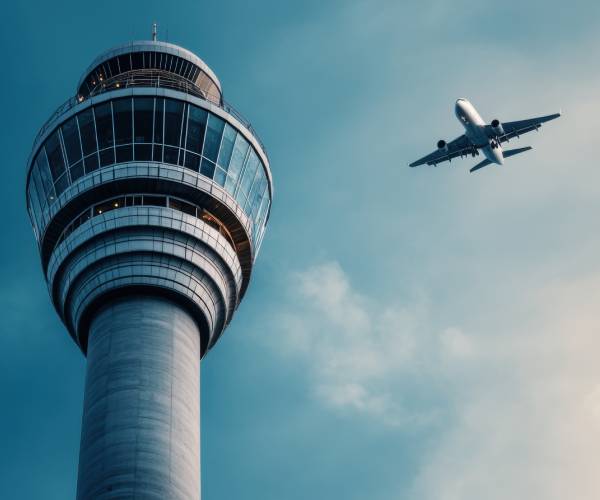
[127, 64]
[147, 128]
[151, 200]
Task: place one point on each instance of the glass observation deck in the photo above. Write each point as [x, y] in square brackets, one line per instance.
[127, 61]
[150, 129]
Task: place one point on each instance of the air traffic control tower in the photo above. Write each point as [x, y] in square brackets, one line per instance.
[149, 197]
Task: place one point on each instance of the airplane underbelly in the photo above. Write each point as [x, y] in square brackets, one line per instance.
[487, 151]
[477, 136]
[494, 155]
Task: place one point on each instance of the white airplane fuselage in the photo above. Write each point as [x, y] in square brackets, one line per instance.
[476, 132]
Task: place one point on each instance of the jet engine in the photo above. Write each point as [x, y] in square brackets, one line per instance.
[441, 144]
[497, 127]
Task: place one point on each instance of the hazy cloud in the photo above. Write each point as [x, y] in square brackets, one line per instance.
[517, 406]
[362, 354]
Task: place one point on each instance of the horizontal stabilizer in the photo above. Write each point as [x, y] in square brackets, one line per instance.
[505, 154]
[481, 164]
[513, 152]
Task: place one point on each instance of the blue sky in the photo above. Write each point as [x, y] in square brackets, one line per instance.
[409, 333]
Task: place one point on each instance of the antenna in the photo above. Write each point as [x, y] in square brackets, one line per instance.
[154, 31]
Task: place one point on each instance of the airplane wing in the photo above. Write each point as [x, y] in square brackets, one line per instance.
[461, 146]
[515, 129]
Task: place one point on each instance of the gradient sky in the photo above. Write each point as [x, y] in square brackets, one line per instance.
[409, 333]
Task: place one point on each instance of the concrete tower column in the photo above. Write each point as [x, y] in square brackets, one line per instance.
[140, 434]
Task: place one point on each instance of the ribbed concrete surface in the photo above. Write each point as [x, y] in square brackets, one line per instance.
[140, 435]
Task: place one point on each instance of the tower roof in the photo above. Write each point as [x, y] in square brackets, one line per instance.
[110, 63]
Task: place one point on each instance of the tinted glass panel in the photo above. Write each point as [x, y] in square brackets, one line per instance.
[114, 69]
[105, 206]
[123, 120]
[207, 168]
[196, 128]
[249, 172]
[136, 60]
[91, 163]
[36, 190]
[185, 70]
[61, 184]
[104, 126]
[55, 158]
[220, 176]
[256, 195]
[171, 154]
[182, 206]
[260, 219]
[157, 154]
[143, 113]
[192, 160]
[237, 161]
[107, 70]
[85, 88]
[173, 115]
[107, 157]
[156, 201]
[71, 139]
[76, 171]
[183, 133]
[213, 137]
[44, 171]
[158, 120]
[143, 152]
[227, 146]
[124, 63]
[240, 197]
[88, 132]
[124, 153]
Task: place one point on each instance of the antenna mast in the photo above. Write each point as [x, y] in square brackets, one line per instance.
[154, 31]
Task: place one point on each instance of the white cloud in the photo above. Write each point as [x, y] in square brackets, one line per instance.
[532, 429]
[516, 408]
[456, 345]
[361, 354]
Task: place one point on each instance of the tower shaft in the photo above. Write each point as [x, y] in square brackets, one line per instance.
[140, 433]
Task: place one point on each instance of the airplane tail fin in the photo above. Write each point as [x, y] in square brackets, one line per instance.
[481, 164]
[513, 152]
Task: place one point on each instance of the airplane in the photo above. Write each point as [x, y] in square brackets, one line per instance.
[481, 137]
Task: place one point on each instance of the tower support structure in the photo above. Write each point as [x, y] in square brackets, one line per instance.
[141, 416]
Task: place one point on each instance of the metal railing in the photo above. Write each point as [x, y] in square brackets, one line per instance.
[152, 79]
